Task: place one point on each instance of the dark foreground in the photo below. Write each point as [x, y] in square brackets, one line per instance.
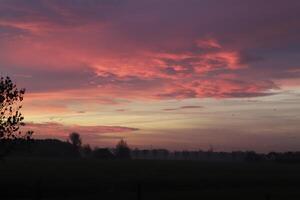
[92, 179]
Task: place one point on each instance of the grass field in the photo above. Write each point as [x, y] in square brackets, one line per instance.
[94, 179]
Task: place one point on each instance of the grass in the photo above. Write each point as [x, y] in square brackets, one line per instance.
[94, 179]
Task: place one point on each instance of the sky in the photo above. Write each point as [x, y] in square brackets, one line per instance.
[175, 74]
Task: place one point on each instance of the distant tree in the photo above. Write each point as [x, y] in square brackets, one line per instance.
[154, 153]
[42, 148]
[272, 156]
[252, 156]
[11, 119]
[145, 154]
[165, 153]
[122, 150]
[177, 155]
[136, 153]
[103, 154]
[86, 150]
[75, 139]
[186, 154]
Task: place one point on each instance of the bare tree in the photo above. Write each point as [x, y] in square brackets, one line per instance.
[75, 139]
[11, 119]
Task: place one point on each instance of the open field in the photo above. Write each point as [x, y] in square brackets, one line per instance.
[93, 179]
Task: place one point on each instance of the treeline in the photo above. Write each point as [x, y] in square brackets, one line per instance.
[54, 148]
[236, 156]
[71, 149]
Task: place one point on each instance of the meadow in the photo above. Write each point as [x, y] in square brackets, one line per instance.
[36, 178]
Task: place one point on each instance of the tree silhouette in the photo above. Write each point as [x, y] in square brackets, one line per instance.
[75, 139]
[103, 153]
[11, 118]
[122, 150]
[87, 149]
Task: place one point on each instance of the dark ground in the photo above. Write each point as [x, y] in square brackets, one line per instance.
[94, 179]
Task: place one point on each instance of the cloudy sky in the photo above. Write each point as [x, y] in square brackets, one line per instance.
[177, 74]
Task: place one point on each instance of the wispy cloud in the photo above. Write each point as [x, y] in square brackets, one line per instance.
[54, 129]
[183, 108]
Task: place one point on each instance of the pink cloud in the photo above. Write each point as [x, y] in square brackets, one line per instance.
[208, 43]
[62, 48]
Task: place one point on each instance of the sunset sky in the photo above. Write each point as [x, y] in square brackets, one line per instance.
[176, 74]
